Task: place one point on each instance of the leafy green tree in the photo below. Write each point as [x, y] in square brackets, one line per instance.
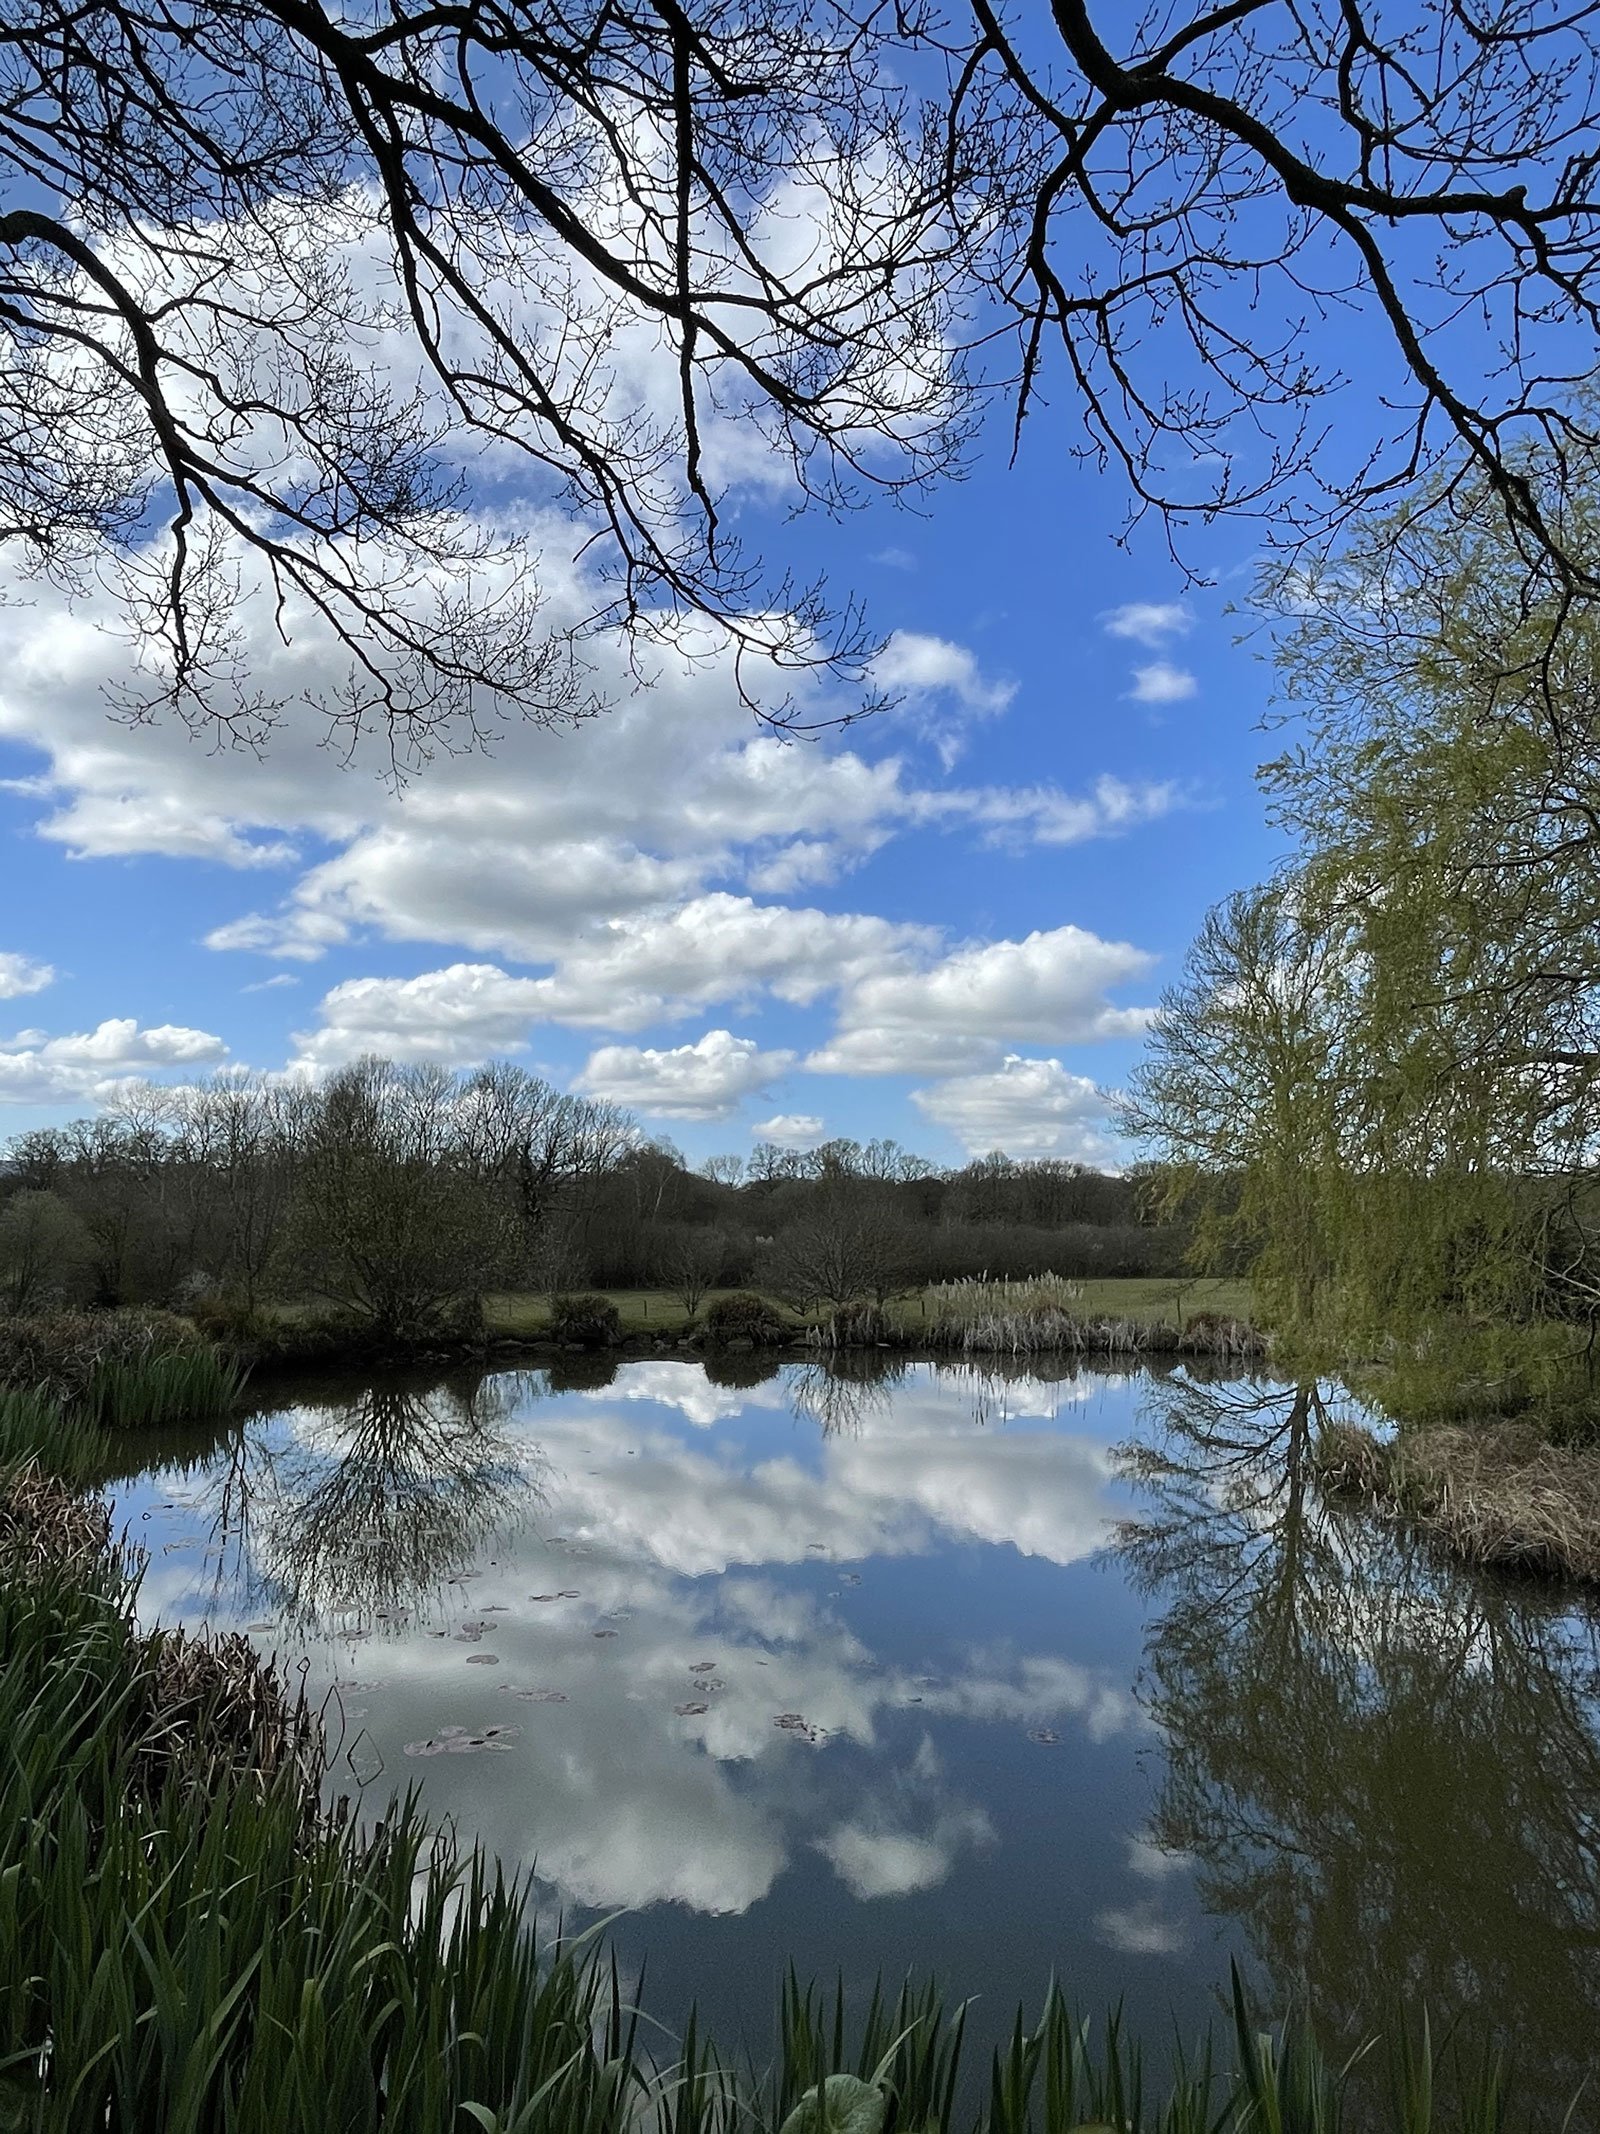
[1240, 1093]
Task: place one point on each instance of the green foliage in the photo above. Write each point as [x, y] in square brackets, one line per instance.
[587, 1321]
[742, 1316]
[180, 1385]
[34, 1429]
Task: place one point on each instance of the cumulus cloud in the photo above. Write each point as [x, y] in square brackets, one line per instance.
[452, 1016]
[20, 975]
[1162, 683]
[89, 1064]
[1149, 622]
[874, 1861]
[791, 1129]
[1049, 988]
[706, 1080]
[1027, 1107]
[916, 662]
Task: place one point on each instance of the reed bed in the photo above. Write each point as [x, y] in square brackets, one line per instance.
[980, 1317]
[1498, 1495]
[117, 1369]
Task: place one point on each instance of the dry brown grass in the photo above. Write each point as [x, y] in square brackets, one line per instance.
[199, 1706]
[1495, 1494]
[46, 1525]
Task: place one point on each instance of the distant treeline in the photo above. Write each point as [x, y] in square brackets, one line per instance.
[396, 1197]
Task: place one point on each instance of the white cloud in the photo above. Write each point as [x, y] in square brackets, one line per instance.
[873, 1861]
[20, 974]
[706, 1080]
[791, 1129]
[1027, 1107]
[1149, 622]
[1049, 988]
[1162, 683]
[914, 661]
[88, 1065]
[453, 1016]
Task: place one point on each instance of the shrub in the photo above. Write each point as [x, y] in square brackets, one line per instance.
[588, 1322]
[743, 1316]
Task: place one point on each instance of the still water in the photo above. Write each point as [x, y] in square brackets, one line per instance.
[910, 1668]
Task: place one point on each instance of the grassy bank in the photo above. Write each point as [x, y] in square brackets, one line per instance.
[1159, 1309]
[190, 1944]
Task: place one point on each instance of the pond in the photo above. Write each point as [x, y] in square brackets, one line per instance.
[897, 1667]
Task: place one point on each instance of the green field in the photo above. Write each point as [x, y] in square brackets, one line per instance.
[659, 1312]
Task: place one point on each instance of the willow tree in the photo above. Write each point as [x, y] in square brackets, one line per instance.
[1240, 1094]
[1445, 798]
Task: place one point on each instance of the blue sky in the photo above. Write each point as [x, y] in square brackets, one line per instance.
[940, 924]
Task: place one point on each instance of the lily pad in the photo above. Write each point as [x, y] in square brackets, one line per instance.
[690, 1711]
[534, 1696]
[843, 2104]
[483, 1659]
[602, 1633]
[701, 1667]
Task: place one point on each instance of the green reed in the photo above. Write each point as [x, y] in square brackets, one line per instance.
[167, 1386]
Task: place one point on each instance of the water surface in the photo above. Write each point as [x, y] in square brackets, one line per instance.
[908, 1668]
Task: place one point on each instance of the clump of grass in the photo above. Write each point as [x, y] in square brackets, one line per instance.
[35, 1430]
[856, 1326]
[169, 1386]
[1494, 1494]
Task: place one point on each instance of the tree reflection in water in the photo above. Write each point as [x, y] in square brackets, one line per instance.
[1387, 1769]
[372, 1506]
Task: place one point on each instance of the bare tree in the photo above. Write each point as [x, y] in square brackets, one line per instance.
[1191, 195]
[688, 1260]
[275, 279]
[279, 279]
[845, 1242]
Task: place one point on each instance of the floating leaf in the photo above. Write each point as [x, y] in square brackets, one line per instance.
[843, 2104]
[603, 1633]
[701, 1667]
[534, 1696]
[690, 1711]
[482, 1659]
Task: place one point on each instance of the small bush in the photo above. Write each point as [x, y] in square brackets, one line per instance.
[588, 1322]
[742, 1317]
